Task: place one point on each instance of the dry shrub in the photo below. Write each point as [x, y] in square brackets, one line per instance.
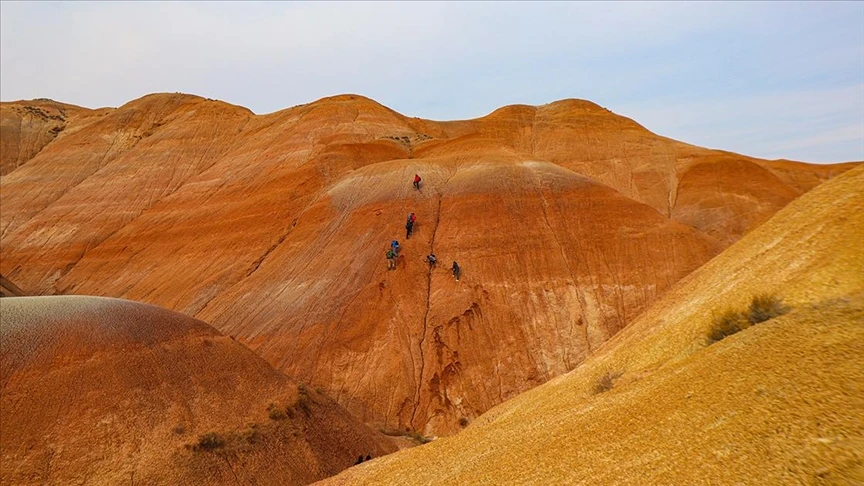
[606, 382]
[419, 438]
[764, 307]
[275, 412]
[210, 441]
[303, 400]
[727, 324]
[252, 435]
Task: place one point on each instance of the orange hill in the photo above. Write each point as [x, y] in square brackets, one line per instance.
[781, 402]
[567, 220]
[109, 391]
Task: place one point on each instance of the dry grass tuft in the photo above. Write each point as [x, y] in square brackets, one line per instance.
[275, 412]
[606, 382]
[764, 307]
[727, 324]
[210, 441]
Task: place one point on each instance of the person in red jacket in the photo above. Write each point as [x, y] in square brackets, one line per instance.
[416, 182]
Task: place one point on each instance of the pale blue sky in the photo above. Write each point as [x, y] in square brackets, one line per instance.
[772, 80]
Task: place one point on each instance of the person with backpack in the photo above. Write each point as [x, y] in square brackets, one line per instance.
[409, 225]
[457, 271]
[416, 182]
[391, 259]
[430, 258]
[394, 245]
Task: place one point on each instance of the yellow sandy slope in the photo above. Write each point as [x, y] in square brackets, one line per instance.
[779, 403]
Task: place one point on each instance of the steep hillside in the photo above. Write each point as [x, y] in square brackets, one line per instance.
[567, 221]
[781, 402]
[108, 391]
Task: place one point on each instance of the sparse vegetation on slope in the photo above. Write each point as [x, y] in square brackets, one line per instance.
[763, 307]
[714, 417]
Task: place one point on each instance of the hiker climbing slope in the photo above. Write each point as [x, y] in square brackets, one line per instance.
[457, 271]
[409, 225]
[416, 182]
[432, 260]
[391, 259]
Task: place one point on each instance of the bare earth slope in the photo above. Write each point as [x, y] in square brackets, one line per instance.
[107, 391]
[568, 221]
[9, 289]
[779, 403]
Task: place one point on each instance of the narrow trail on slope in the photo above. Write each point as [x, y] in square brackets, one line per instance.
[428, 304]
